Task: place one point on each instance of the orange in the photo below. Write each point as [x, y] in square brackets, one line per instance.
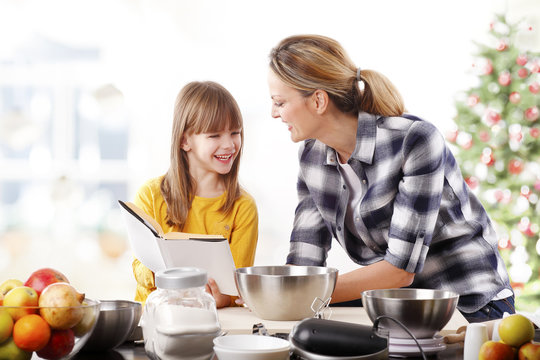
[31, 333]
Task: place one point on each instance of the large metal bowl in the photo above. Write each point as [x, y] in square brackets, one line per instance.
[116, 321]
[422, 311]
[284, 292]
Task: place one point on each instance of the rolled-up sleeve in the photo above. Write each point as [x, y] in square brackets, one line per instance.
[310, 239]
[418, 200]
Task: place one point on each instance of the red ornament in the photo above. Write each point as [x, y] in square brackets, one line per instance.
[452, 135]
[516, 136]
[505, 79]
[535, 132]
[472, 100]
[535, 68]
[484, 136]
[515, 97]
[501, 45]
[499, 195]
[522, 73]
[488, 68]
[487, 158]
[515, 166]
[472, 182]
[534, 87]
[531, 113]
[493, 117]
[521, 60]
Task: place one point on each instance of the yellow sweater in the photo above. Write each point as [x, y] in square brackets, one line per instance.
[240, 227]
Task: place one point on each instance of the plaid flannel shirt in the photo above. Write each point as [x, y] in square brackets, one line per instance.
[416, 213]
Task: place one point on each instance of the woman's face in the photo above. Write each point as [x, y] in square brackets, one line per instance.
[293, 109]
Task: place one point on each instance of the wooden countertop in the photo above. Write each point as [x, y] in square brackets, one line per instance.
[240, 320]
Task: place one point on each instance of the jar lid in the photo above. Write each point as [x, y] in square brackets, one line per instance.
[181, 278]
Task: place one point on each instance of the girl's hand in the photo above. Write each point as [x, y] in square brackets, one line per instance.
[222, 300]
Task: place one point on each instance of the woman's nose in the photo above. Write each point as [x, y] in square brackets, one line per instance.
[273, 112]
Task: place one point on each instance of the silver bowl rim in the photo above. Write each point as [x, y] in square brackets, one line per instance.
[330, 270]
[370, 293]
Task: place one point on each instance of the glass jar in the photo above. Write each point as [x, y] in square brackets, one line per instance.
[180, 319]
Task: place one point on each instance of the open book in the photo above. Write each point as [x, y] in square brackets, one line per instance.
[159, 251]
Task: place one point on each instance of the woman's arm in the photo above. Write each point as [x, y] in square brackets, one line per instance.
[380, 275]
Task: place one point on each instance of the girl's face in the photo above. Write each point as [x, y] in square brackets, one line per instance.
[212, 152]
[293, 109]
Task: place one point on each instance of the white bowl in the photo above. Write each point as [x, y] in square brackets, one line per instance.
[251, 347]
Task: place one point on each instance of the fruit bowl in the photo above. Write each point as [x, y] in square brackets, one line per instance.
[26, 334]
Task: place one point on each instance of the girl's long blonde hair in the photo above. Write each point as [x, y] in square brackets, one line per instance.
[310, 62]
[200, 107]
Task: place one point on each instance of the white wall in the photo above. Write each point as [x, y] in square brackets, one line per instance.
[151, 48]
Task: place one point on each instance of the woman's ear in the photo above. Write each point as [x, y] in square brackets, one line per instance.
[320, 101]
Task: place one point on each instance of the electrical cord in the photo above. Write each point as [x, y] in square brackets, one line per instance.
[376, 328]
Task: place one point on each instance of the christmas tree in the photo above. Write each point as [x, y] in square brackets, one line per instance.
[497, 138]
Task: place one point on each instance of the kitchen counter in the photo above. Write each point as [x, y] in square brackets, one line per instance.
[239, 320]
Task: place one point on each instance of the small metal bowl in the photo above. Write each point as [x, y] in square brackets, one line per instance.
[422, 311]
[285, 292]
[117, 320]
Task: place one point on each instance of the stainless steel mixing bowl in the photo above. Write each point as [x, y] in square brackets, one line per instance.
[422, 311]
[284, 292]
[117, 320]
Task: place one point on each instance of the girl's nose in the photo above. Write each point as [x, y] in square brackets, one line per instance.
[228, 142]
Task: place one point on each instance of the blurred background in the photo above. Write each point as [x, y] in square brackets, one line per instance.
[87, 91]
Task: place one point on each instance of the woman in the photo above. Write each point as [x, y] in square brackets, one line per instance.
[381, 182]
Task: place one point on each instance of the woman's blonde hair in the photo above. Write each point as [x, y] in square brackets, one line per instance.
[200, 107]
[310, 62]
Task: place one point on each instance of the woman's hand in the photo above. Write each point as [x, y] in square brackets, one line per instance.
[222, 300]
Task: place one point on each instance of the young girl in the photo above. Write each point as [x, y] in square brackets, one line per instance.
[200, 192]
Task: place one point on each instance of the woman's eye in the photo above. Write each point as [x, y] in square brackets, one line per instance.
[236, 133]
[278, 104]
[213, 136]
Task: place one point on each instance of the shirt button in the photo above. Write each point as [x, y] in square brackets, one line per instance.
[344, 186]
[363, 181]
[339, 228]
[357, 219]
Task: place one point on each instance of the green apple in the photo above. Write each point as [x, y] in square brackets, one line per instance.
[7, 285]
[24, 297]
[514, 330]
[87, 322]
[10, 351]
[6, 325]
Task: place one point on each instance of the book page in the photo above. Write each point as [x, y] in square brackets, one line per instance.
[212, 255]
[143, 242]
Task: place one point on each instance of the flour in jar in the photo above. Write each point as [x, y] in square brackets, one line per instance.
[179, 320]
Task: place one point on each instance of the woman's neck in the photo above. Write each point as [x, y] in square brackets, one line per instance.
[340, 134]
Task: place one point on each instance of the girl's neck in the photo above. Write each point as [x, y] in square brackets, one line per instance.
[208, 185]
[340, 134]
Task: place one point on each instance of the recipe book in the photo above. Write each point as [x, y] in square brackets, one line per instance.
[159, 251]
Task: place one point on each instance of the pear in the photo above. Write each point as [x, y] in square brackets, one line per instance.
[60, 305]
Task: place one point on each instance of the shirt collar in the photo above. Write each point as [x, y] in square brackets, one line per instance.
[366, 134]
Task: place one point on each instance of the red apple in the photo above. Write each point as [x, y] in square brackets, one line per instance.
[39, 279]
[60, 344]
[529, 351]
[495, 350]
